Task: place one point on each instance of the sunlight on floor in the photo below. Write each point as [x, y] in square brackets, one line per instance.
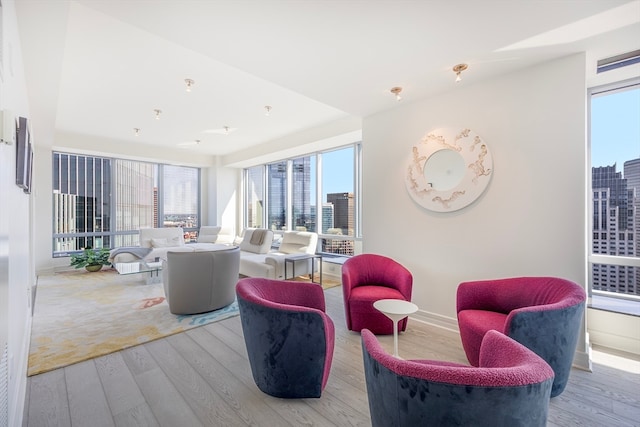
[618, 360]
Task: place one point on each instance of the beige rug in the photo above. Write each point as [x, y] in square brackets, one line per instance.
[80, 315]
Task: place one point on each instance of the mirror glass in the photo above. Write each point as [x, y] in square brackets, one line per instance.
[444, 169]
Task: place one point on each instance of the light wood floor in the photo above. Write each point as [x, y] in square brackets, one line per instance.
[202, 378]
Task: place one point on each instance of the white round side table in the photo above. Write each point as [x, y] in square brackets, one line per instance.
[396, 310]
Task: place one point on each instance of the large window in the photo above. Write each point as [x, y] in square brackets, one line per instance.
[102, 202]
[338, 200]
[615, 190]
[254, 190]
[316, 192]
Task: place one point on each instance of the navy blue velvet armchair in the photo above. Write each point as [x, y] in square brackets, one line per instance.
[289, 337]
[511, 387]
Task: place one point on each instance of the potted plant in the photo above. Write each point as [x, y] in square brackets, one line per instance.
[91, 259]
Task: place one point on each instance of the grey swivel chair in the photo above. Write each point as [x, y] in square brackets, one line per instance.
[201, 281]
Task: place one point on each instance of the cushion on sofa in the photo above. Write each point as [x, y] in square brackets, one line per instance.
[208, 233]
[264, 245]
[173, 235]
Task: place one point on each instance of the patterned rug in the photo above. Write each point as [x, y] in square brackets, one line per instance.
[80, 315]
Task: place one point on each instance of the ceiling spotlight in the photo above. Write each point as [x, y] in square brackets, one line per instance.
[396, 91]
[136, 131]
[267, 110]
[189, 83]
[459, 69]
[157, 113]
[226, 130]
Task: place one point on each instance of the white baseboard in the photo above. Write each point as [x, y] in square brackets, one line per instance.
[433, 319]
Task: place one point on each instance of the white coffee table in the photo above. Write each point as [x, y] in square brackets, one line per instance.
[396, 310]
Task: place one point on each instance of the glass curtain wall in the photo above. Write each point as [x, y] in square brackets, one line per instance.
[254, 191]
[615, 190]
[81, 202]
[135, 199]
[303, 193]
[102, 202]
[277, 196]
[180, 199]
[338, 200]
[316, 192]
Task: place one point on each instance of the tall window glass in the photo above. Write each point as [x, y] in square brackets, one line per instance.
[180, 198]
[254, 180]
[615, 189]
[277, 195]
[81, 202]
[303, 193]
[338, 197]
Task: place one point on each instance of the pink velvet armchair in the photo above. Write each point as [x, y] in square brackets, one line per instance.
[542, 313]
[367, 278]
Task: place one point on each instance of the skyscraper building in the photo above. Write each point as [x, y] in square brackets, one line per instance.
[277, 195]
[615, 226]
[343, 211]
[327, 217]
[301, 194]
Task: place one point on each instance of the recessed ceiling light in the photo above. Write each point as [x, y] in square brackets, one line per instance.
[267, 110]
[459, 69]
[396, 91]
[189, 83]
[158, 112]
[136, 131]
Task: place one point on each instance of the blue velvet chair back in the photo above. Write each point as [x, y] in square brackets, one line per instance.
[289, 337]
[511, 388]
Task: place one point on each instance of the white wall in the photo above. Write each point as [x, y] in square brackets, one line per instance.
[16, 237]
[530, 220]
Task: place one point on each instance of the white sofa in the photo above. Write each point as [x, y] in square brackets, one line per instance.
[161, 241]
[263, 262]
[257, 259]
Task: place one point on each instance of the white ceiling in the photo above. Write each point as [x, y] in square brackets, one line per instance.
[100, 68]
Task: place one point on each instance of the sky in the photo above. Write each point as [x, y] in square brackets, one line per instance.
[615, 128]
[337, 174]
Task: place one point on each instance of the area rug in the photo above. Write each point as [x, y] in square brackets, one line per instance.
[80, 315]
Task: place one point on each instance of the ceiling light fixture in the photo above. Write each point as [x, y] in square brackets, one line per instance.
[396, 91]
[226, 130]
[267, 109]
[157, 113]
[189, 83]
[136, 131]
[459, 69]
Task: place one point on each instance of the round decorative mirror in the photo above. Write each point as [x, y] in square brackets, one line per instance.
[448, 169]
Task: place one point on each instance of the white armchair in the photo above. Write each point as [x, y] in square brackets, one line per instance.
[293, 242]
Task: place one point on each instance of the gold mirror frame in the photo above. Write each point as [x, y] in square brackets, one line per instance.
[477, 174]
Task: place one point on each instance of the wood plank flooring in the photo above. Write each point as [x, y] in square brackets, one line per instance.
[202, 378]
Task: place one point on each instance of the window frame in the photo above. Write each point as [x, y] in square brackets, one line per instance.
[357, 190]
[112, 232]
[593, 257]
